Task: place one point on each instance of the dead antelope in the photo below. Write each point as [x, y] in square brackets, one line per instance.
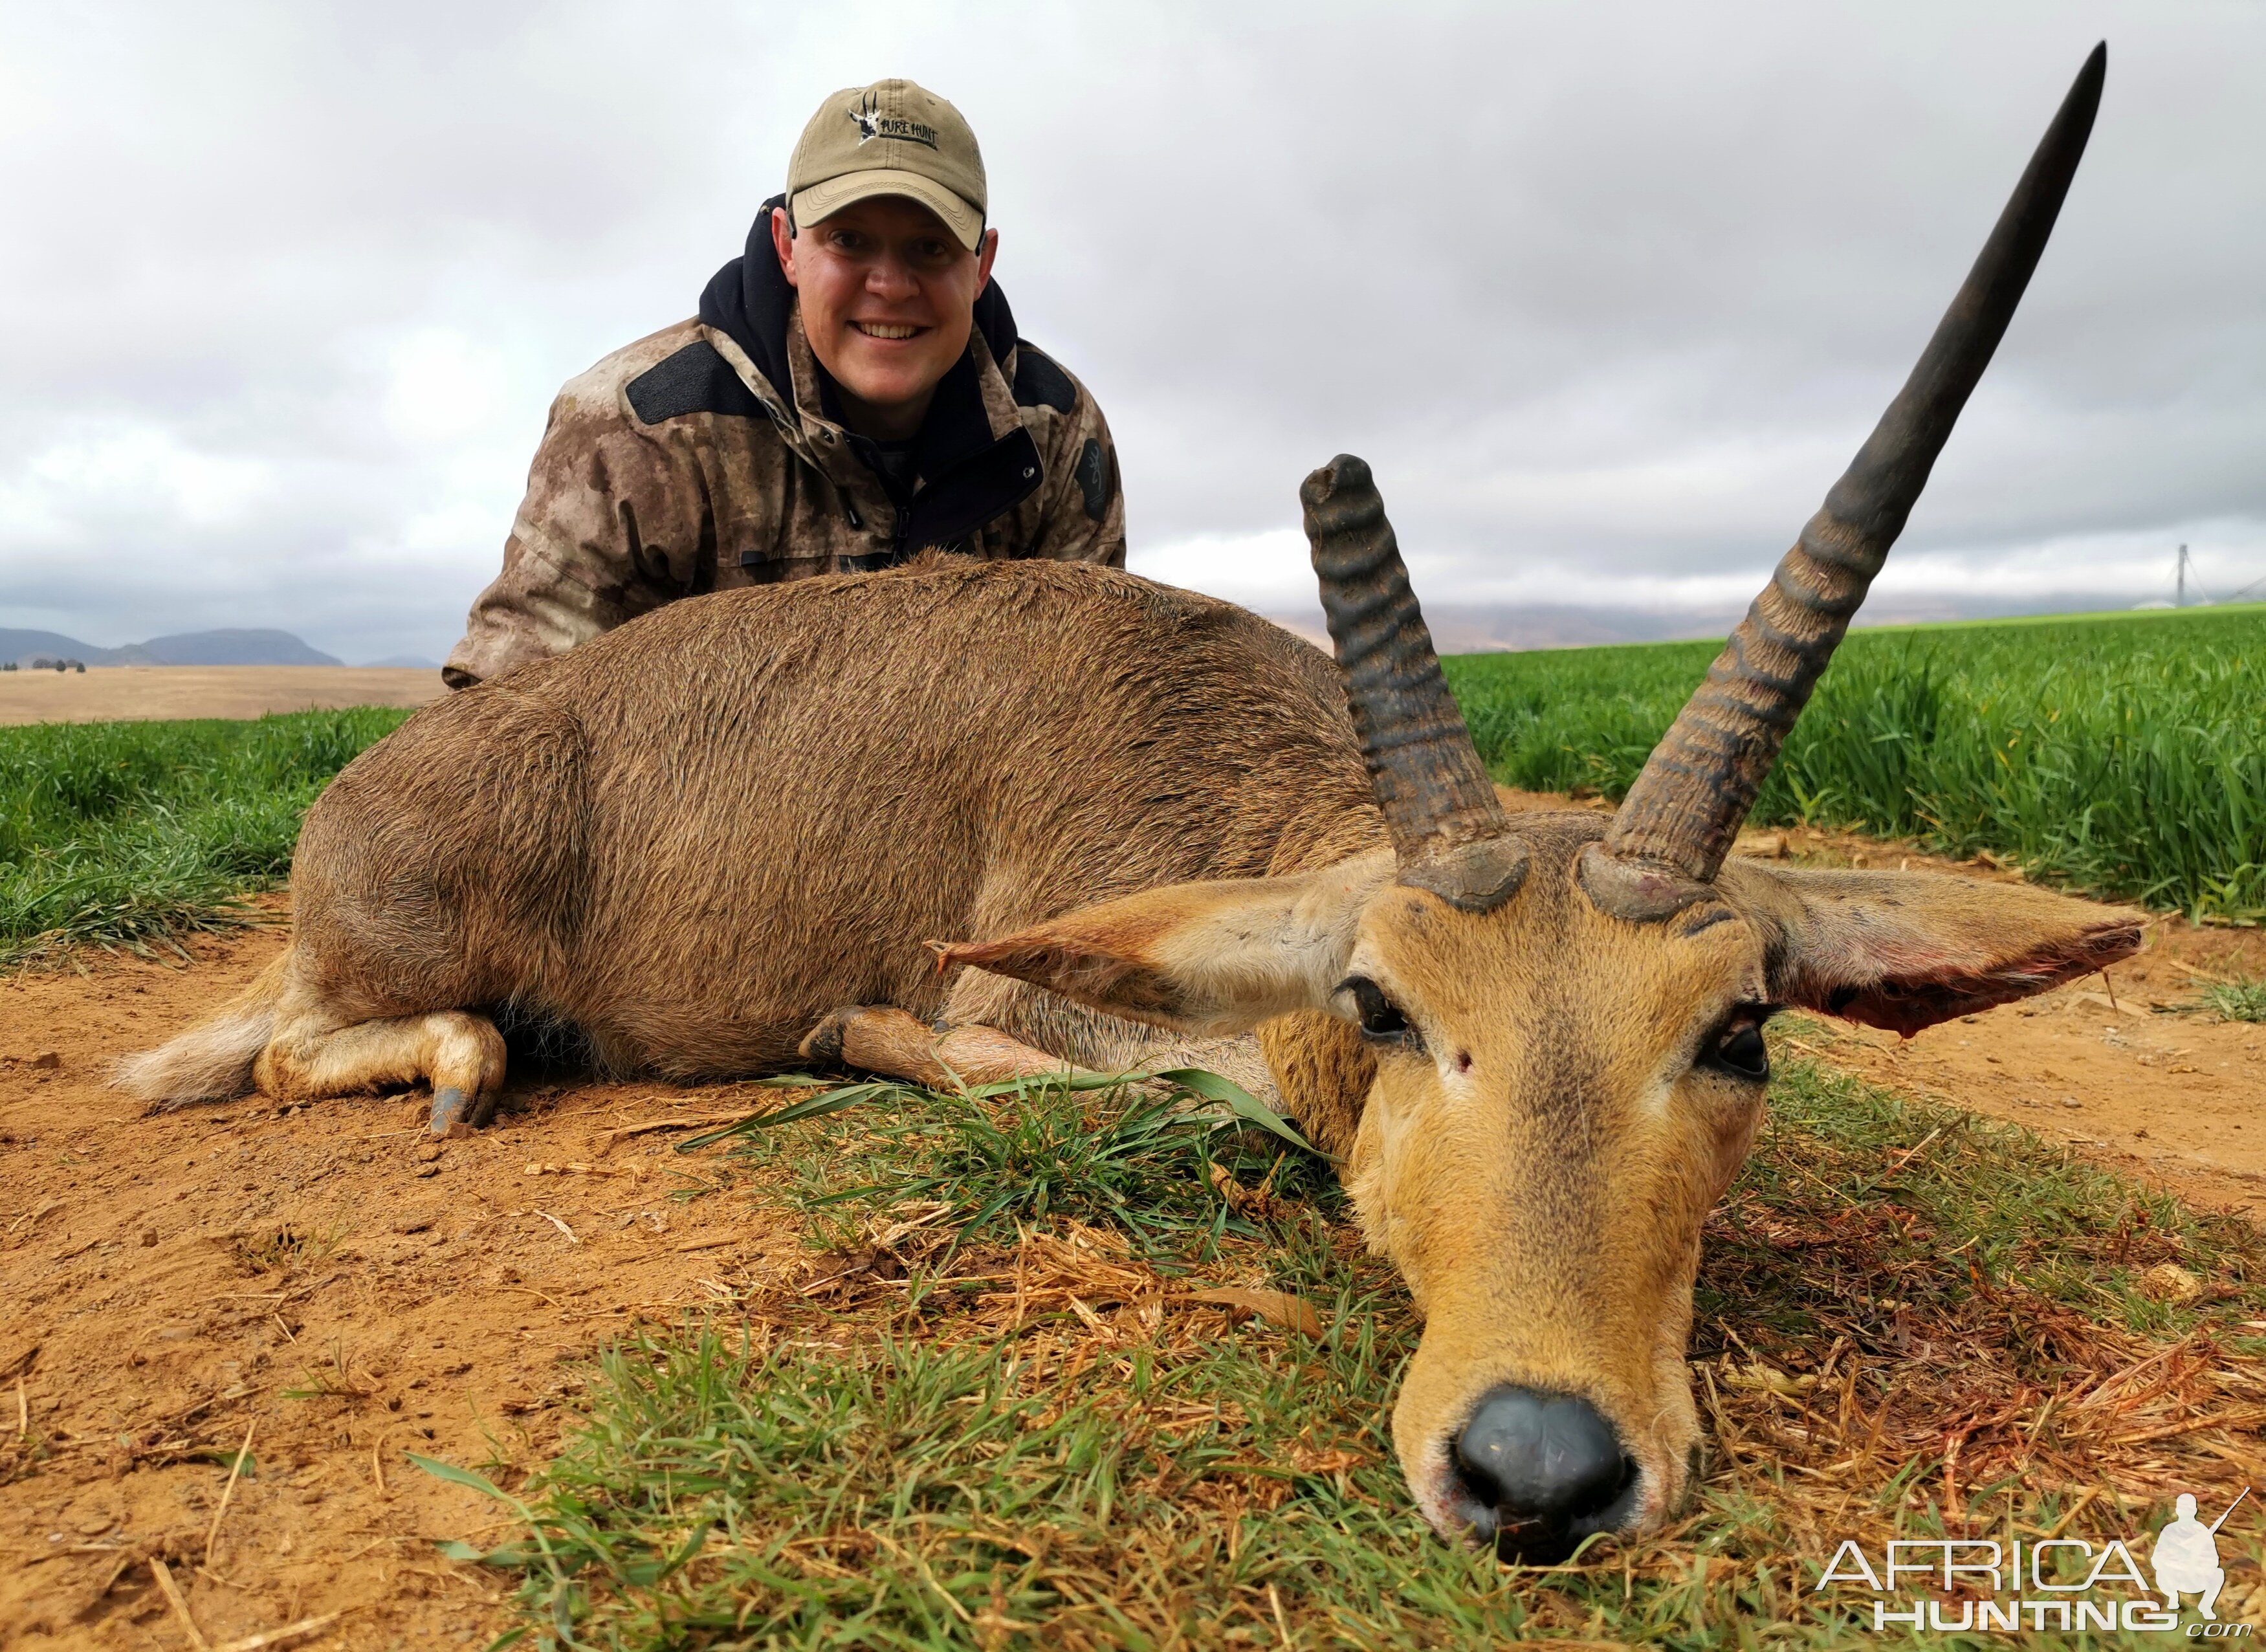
[721, 835]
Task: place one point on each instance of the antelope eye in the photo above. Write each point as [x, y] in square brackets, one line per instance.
[1740, 1051]
[1379, 1019]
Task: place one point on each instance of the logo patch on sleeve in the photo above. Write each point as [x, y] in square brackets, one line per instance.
[1097, 477]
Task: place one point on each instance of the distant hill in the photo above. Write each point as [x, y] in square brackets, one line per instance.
[1472, 629]
[24, 647]
[229, 648]
[406, 662]
[193, 647]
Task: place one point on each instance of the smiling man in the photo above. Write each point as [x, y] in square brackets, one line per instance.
[852, 393]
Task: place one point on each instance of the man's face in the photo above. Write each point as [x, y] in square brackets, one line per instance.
[887, 295]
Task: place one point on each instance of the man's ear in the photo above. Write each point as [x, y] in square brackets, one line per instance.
[783, 242]
[1905, 950]
[1210, 959]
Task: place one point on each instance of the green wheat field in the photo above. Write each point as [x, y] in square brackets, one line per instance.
[2123, 756]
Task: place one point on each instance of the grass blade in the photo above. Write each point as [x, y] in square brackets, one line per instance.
[815, 1106]
[1242, 1103]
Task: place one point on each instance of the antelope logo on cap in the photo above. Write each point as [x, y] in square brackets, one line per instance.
[872, 123]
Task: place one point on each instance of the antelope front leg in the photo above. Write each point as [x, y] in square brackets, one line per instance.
[877, 1038]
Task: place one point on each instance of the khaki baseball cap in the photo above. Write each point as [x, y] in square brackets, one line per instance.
[890, 138]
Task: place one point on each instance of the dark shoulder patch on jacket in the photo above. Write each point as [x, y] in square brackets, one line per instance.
[1097, 477]
[1039, 383]
[696, 379]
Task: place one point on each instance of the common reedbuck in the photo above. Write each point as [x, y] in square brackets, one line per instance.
[722, 834]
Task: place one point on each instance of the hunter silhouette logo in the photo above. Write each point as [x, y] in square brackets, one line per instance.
[872, 124]
[2186, 1557]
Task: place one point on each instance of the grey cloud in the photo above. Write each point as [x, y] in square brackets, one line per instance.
[1606, 294]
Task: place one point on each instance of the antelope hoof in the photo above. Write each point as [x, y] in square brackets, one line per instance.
[452, 1113]
[823, 1041]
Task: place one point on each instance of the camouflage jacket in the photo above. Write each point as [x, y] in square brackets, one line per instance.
[710, 456]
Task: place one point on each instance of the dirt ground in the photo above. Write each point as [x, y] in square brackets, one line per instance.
[323, 1279]
[331, 1283]
[102, 694]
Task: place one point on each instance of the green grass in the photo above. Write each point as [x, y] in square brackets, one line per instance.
[1022, 1150]
[123, 833]
[2241, 1000]
[910, 1472]
[2122, 756]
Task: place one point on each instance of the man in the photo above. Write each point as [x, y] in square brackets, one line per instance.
[852, 393]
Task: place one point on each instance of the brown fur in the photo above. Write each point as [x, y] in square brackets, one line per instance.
[695, 836]
[699, 837]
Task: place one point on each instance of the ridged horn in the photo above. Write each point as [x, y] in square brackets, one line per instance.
[1685, 810]
[1439, 805]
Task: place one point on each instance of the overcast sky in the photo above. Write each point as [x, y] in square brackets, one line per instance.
[1606, 294]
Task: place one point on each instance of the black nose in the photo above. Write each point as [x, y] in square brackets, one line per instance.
[1549, 1466]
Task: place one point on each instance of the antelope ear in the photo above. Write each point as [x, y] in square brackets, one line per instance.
[1905, 950]
[1210, 959]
